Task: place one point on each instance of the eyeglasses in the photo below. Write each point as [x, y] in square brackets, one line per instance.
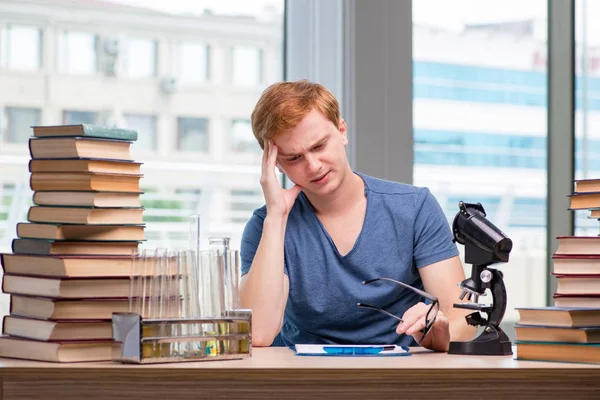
[429, 317]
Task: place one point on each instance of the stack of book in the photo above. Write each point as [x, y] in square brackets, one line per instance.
[70, 265]
[569, 331]
[576, 262]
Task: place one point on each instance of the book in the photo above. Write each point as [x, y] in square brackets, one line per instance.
[377, 350]
[68, 266]
[76, 147]
[83, 181]
[80, 232]
[74, 288]
[86, 165]
[576, 300]
[66, 351]
[573, 264]
[86, 215]
[87, 199]
[563, 352]
[56, 247]
[594, 214]
[559, 316]
[557, 334]
[586, 185]
[578, 284]
[85, 130]
[56, 330]
[578, 245]
[72, 309]
[584, 201]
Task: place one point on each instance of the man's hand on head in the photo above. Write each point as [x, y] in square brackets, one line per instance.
[279, 201]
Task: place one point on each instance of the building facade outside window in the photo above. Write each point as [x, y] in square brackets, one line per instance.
[242, 138]
[78, 52]
[21, 47]
[193, 61]
[138, 57]
[72, 117]
[145, 125]
[247, 65]
[17, 123]
[192, 134]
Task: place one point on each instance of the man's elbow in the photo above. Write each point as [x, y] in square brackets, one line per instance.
[261, 338]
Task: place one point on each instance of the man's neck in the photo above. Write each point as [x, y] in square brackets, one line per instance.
[345, 198]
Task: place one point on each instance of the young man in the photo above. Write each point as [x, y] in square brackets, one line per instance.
[306, 253]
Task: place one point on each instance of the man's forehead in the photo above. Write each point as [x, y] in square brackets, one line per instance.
[289, 145]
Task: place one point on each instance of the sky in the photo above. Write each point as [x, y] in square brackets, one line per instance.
[450, 14]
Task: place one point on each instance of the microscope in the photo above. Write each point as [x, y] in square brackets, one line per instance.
[484, 245]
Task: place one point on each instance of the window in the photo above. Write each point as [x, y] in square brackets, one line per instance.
[247, 65]
[79, 117]
[193, 134]
[145, 125]
[480, 116]
[242, 138]
[193, 62]
[587, 106]
[244, 202]
[77, 52]
[115, 64]
[21, 47]
[19, 122]
[139, 58]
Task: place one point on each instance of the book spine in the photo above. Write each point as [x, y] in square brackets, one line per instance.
[109, 133]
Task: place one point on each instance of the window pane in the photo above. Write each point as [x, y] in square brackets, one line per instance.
[139, 58]
[185, 132]
[145, 125]
[79, 117]
[193, 62]
[19, 122]
[247, 65]
[587, 106]
[242, 138]
[480, 117]
[22, 47]
[77, 52]
[193, 134]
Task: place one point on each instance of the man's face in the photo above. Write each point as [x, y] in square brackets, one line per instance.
[312, 154]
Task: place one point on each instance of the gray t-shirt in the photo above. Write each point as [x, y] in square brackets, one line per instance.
[404, 229]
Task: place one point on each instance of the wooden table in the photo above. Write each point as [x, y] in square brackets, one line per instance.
[278, 373]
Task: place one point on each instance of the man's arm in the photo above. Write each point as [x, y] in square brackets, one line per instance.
[441, 280]
[265, 288]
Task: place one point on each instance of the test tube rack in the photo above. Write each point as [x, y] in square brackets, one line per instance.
[145, 341]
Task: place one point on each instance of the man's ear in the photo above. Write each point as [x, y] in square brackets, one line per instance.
[343, 130]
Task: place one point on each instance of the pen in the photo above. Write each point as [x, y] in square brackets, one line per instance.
[358, 350]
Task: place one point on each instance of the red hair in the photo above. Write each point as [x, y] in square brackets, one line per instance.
[283, 105]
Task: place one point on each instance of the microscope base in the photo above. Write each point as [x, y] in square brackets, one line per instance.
[492, 342]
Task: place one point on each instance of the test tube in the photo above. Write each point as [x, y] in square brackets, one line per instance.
[219, 248]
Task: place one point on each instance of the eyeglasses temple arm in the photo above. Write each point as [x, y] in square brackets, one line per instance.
[418, 291]
[363, 305]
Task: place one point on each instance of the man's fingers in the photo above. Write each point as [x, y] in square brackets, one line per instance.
[273, 155]
[411, 316]
[416, 327]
